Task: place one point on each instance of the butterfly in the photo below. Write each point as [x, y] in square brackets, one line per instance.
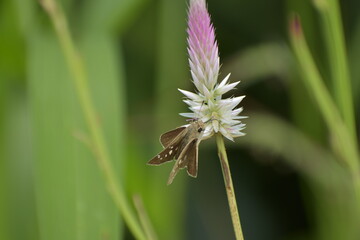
[181, 144]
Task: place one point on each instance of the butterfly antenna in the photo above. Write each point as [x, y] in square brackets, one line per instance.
[210, 120]
[202, 103]
[196, 118]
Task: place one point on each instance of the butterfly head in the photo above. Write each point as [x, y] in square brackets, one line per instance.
[200, 126]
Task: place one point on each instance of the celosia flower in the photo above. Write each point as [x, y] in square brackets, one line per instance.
[219, 115]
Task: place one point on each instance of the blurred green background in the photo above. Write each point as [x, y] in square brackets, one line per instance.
[287, 181]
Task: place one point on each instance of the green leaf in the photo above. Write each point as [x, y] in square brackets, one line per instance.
[17, 217]
[73, 202]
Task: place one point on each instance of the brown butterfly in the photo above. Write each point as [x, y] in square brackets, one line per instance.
[181, 144]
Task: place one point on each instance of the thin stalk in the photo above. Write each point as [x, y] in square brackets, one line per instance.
[229, 187]
[96, 133]
[343, 142]
[334, 36]
[144, 218]
[315, 84]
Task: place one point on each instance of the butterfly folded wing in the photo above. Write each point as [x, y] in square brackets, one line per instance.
[163, 157]
[169, 136]
[191, 158]
[187, 159]
[171, 151]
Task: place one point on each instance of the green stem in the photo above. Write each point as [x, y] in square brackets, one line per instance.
[144, 218]
[97, 138]
[315, 84]
[334, 37]
[229, 187]
[343, 143]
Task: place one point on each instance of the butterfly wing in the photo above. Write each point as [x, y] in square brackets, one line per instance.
[188, 158]
[191, 158]
[171, 151]
[169, 136]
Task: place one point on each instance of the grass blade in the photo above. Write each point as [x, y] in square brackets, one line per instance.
[346, 147]
[53, 116]
[337, 55]
[73, 202]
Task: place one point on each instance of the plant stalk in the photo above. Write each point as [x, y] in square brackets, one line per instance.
[144, 218]
[229, 187]
[334, 36]
[343, 142]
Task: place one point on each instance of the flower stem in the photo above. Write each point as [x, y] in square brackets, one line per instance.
[102, 156]
[229, 187]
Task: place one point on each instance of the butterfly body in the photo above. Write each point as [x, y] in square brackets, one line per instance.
[181, 144]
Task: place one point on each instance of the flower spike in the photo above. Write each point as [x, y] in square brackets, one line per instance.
[204, 63]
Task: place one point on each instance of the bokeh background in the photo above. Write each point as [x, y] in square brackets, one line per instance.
[287, 180]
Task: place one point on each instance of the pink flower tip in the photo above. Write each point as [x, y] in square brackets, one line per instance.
[203, 49]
